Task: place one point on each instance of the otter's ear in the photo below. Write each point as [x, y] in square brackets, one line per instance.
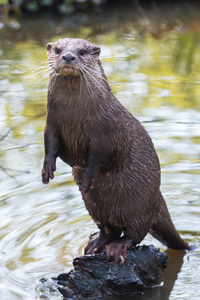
[49, 46]
[96, 50]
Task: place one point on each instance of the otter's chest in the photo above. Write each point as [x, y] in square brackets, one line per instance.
[74, 143]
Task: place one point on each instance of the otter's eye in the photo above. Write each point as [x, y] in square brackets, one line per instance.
[81, 52]
[58, 50]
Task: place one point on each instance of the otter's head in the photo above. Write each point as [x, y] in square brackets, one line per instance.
[71, 57]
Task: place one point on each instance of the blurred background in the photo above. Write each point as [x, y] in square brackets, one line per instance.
[151, 56]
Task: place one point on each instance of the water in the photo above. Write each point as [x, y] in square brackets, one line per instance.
[151, 58]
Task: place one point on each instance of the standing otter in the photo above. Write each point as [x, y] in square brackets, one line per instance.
[112, 156]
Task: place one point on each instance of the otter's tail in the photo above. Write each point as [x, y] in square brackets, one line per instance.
[163, 229]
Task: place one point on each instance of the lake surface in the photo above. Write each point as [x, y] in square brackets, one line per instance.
[152, 60]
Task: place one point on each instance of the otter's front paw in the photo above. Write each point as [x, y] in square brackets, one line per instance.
[47, 172]
[85, 185]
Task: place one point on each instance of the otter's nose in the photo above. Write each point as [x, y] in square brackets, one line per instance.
[68, 58]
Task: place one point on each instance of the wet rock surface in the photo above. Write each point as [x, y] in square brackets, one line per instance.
[96, 277]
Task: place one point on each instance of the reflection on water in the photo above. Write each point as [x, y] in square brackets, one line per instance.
[152, 62]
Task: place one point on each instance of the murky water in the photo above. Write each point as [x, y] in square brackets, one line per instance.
[152, 60]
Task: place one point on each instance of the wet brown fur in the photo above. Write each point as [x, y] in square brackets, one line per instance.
[111, 154]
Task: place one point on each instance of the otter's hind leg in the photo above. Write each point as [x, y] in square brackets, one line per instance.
[133, 235]
[99, 240]
[118, 248]
[163, 229]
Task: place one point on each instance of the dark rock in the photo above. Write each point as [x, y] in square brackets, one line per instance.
[96, 277]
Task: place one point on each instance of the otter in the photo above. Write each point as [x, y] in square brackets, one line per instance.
[113, 159]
